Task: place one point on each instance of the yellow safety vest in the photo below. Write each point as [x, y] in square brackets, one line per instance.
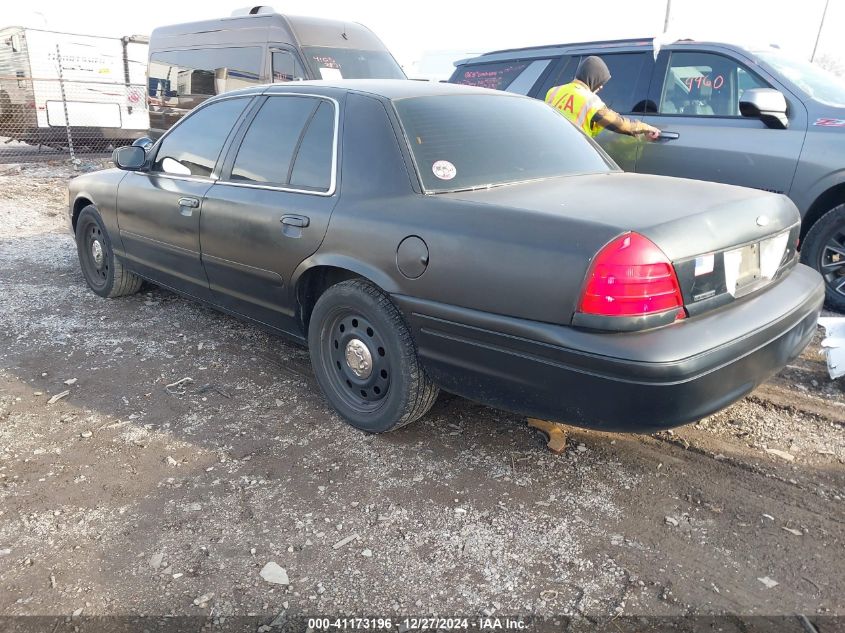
[578, 104]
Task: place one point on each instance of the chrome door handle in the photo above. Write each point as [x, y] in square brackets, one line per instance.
[191, 203]
[299, 221]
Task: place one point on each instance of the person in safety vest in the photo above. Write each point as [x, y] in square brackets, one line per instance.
[579, 103]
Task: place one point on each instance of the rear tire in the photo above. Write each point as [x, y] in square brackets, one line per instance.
[824, 249]
[103, 272]
[365, 359]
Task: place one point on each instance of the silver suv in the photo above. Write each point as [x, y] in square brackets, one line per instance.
[756, 118]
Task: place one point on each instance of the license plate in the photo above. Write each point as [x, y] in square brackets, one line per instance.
[742, 269]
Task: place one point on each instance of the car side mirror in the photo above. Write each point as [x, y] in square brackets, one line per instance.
[144, 142]
[130, 157]
[766, 104]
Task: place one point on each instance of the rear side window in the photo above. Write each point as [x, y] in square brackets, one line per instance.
[267, 150]
[625, 92]
[203, 71]
[497, 76]
[290, 142]
[192, 147]
[313, 165]
[628, 85]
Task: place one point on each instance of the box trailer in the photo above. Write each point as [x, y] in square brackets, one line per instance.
[49, 80]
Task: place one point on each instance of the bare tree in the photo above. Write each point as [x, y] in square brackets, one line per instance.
[836, 65]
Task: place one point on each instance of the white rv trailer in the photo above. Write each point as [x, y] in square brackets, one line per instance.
[95, 84]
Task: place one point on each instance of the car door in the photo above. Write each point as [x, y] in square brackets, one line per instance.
[285, 65]
[625, 93]
[698, 98]
[159, 208]
[271, 207]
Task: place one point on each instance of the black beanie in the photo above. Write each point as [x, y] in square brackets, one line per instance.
[592, 71]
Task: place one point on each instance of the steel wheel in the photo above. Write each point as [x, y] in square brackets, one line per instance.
[359, 363]
[95, 256]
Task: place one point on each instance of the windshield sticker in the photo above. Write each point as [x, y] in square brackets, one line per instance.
[330, 73]
[830, 122]
[444, 170]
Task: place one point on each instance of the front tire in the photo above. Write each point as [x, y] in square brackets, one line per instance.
[103, 272]
[824, 250]
[365, 359]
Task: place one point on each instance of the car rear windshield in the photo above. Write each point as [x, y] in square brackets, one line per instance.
[349, 63]
[474, 141]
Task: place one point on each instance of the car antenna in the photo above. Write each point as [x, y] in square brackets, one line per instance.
[344, 35]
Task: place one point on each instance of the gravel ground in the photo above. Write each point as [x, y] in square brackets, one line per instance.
[127, 497]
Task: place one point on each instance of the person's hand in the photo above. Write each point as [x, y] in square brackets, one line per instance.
[651, 133]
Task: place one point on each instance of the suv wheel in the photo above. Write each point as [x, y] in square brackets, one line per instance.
[365, 360]
[824, 250]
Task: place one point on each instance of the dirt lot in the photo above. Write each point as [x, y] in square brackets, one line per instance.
[126, 497]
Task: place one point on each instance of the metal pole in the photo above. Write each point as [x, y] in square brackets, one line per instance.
[64, 105]
[668, 11]
[818, 36]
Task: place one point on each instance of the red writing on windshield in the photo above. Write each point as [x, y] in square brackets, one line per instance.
[705, 82]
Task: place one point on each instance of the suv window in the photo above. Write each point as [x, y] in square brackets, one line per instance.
[286, 67]
[289, 143]
[626, 90]
[192, 147]
[705, 84]
[620, 93]
[203, 71]
[498, 75]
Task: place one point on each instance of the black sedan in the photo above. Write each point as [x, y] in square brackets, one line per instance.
[424, 236]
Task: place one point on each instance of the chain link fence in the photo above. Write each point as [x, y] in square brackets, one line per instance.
[56, 118]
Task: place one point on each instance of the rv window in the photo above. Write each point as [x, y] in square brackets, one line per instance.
[194, 144]
[286, 67]
[267, 149]
[203, 71]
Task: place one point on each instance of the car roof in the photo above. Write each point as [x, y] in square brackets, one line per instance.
[551, 50]
[386, 88]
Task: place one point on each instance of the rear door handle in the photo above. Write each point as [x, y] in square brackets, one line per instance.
[668, 136]
[299, 221]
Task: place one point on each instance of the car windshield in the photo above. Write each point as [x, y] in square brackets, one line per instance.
[349, 63]
[817, 82]
[475, 141]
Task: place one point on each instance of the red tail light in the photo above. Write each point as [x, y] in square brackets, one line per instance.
[631, 277]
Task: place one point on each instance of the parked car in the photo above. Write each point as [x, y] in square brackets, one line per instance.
[421, 236]
[94, 84]
[751, 117]
[191, 62]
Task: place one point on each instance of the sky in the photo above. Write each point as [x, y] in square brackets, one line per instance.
[415, 31]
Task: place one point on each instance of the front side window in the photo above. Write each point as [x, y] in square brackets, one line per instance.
[289, 144]
[193, 146]
[474, 141]
[286, 67]
[203, 71]
[350, 63]
[705, 84]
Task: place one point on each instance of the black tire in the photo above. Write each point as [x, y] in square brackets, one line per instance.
[105, 273]
[395, 391]
[824, 249]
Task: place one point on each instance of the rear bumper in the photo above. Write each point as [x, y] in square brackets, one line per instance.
[637, 381]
